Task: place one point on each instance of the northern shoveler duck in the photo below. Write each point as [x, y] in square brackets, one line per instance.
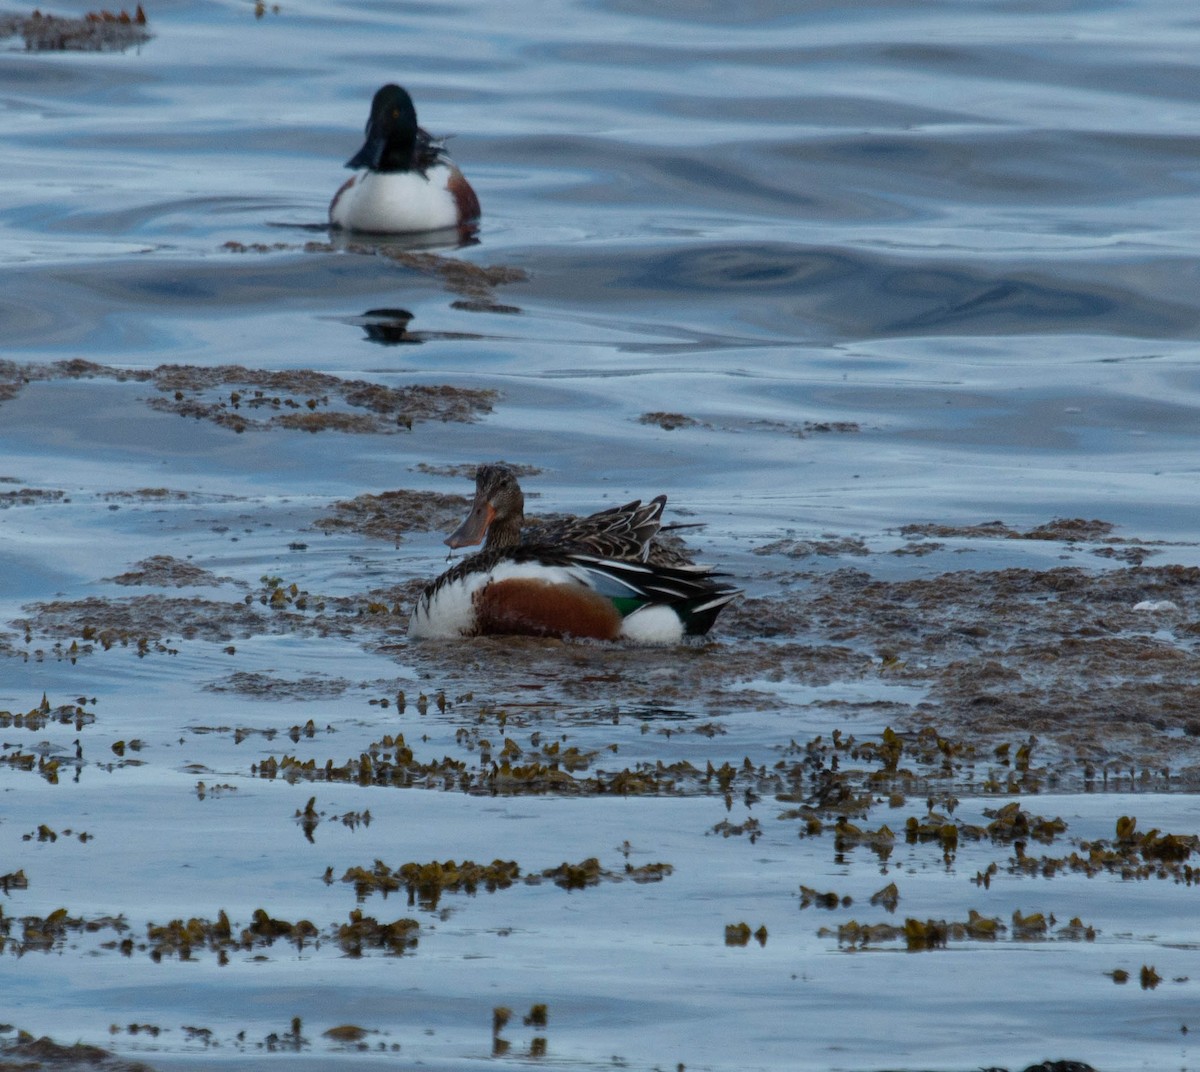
[595, 577]
[409, 183]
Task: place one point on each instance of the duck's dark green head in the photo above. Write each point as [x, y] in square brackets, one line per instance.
[391, 133]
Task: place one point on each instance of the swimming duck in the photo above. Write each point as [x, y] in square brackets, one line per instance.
[409, 183]
[593, 576]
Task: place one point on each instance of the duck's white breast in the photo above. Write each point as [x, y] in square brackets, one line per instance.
[396, 201]
[449, 610]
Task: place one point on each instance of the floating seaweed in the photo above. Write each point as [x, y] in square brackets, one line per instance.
[48, 933]
[366, 932]
[426, 882]
[739, 934]
[73, 715]
[1131, 854]
[97, 31]
[920, 935]
[829, 900]
[390, 514]
[243, 399]
[26, 1052]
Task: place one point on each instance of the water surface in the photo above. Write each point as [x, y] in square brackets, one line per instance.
[893, 265]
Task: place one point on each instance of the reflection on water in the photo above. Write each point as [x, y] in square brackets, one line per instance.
[396, 246]
[389, 327]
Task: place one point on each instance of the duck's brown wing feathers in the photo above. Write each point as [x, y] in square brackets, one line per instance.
[618, 532]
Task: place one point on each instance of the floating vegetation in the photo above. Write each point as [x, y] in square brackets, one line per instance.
[390, 514]
[262, 686]
[29, 496]
[1009, 824]
[243, 399]
[1062, 653]
[1012, 823]
[837, 789]
[846, 835]
[184, 939]
[751, 828]
[475, 282]
[644, 873]
[346, 1034]
[577, 876]
[37, 718]
[307, 401]
[166, 571]
[366, 932]
[834, 793]
[43, 765]
[160, 495]
[668, 421]
[14, 880]
[919, 935]
[391, 762]
[831, 547]
[1131, 854]
[290, 1041]
[156, 624]
[42, 934]
[308, 818]
[426, 882]
[810, 897]
[25, 1053]
[538, 1017]
[180, 938]
[739, 934]
[888, 897]
[1065, 529]
[97, 31]
[44, 833]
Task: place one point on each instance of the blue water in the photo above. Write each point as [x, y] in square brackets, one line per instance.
[967, 229]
